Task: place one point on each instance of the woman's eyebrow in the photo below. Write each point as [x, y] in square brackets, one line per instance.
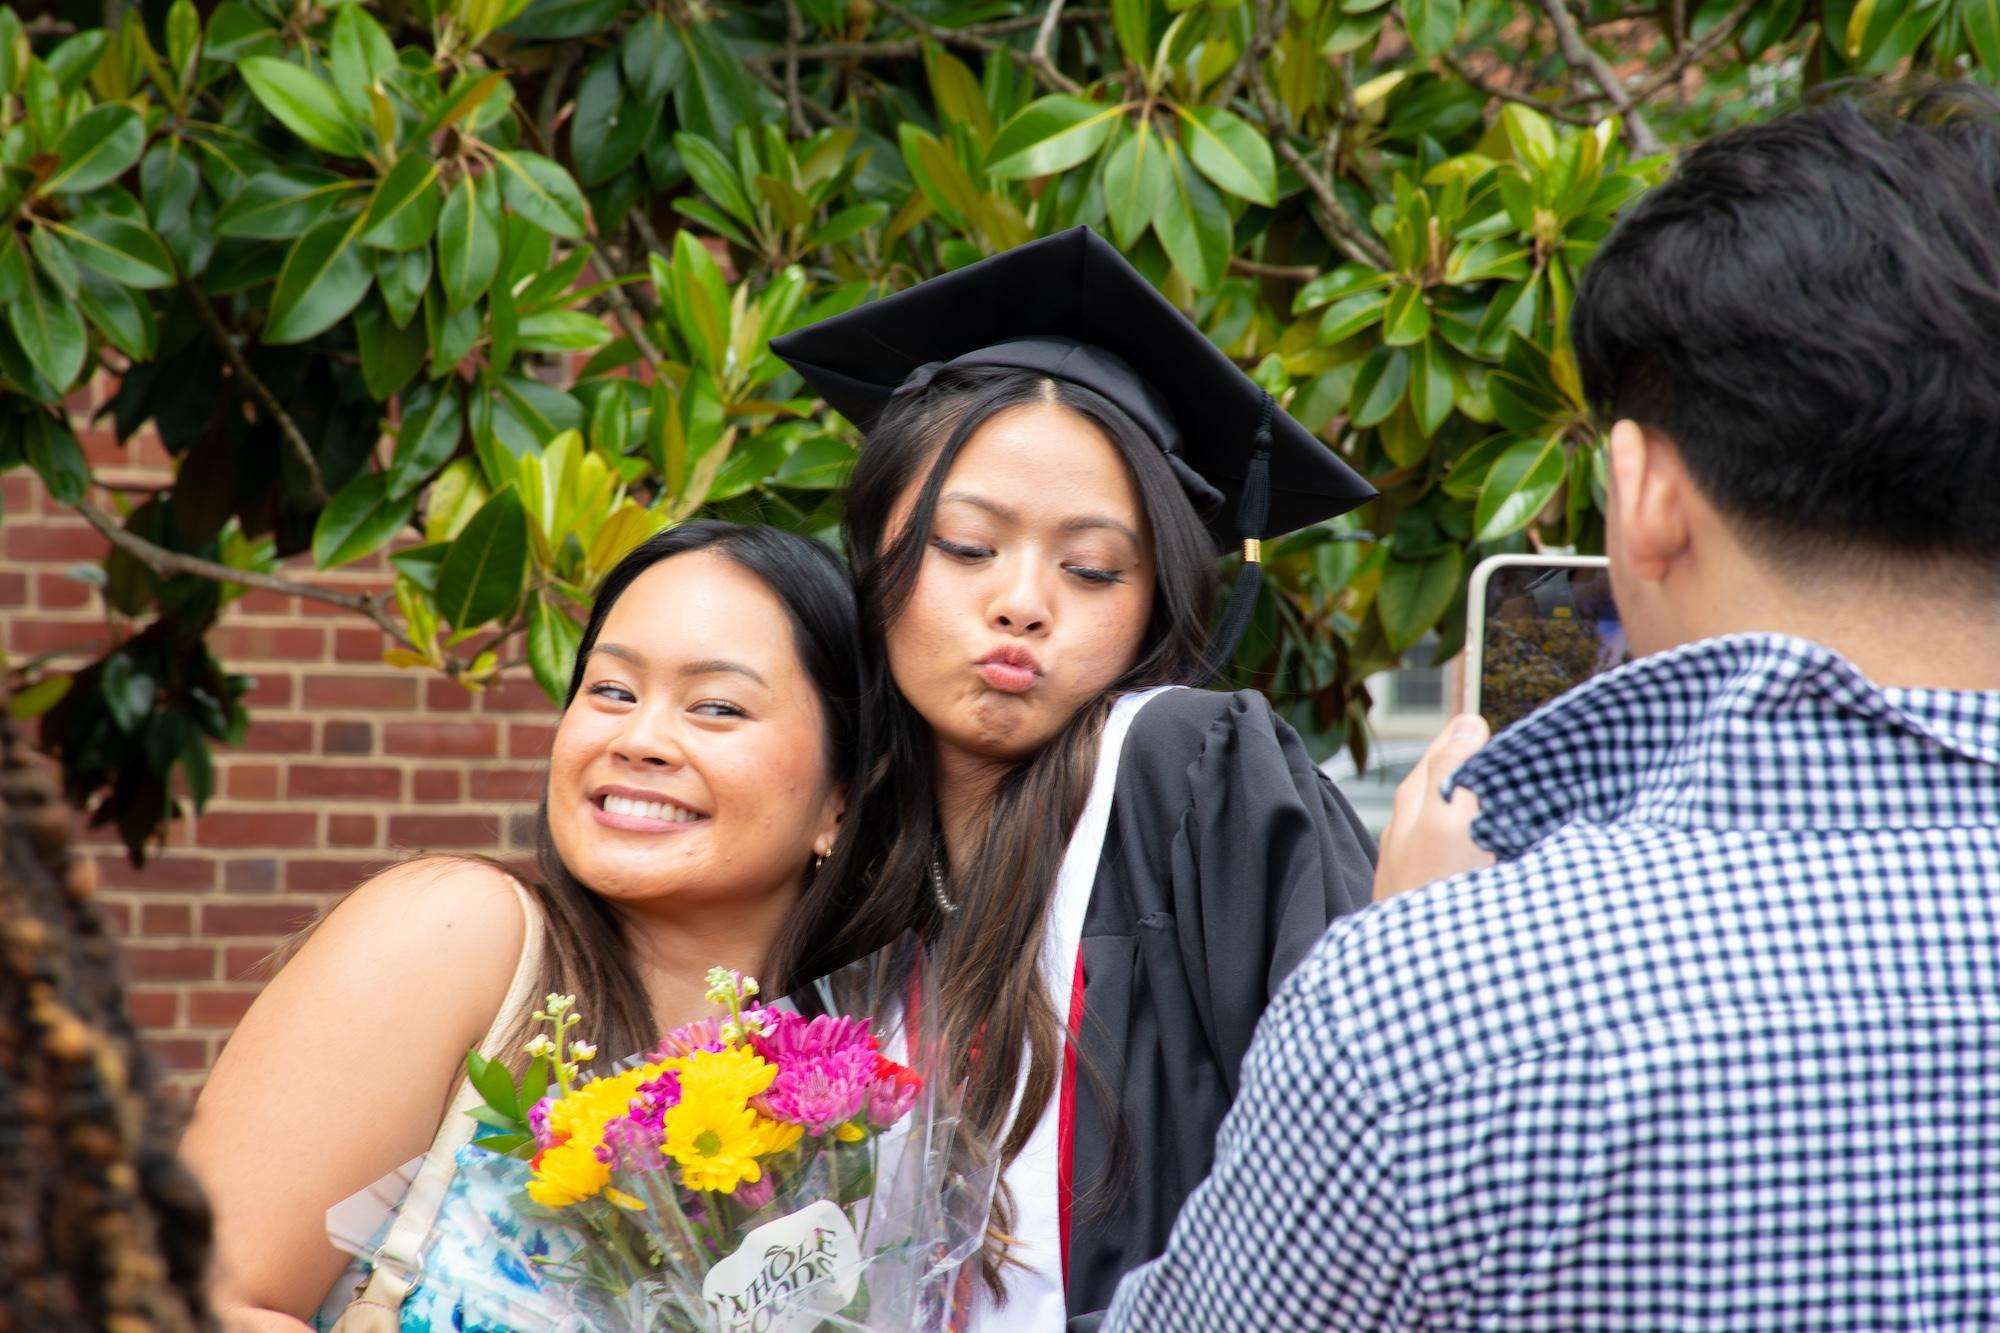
[715, 666]
[707, 666]
[1007, 514]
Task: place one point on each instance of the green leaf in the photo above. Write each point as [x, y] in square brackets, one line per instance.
[1772, 21]
[124, 318]
[127, 691]
[324, 277]
[98, 147]
[502, 1144]
[1431, 24]
[480, 580]
[1517, 486]
[183, 41]
[534, 1083]
[1135, 179]
[562, 331]
[940, 175]
[305, 104]
[714, 176]
[1430, 386]
[1982, 29]
[1414, 594]
[391, 354]
[1378, 386]
[717, 95]
[235, 30]
[552, 642]
[359, 521]
[468, 245]
[426, 438]
[1343, 281]
[122, 251]
[848, 223]
[543, 193]
[652, 57]
[956, 94]
[72, 61]
[49, 328]
[360, 54]
[169, 181]
[403, 211]
[36, 699]
[1351, 314]
[546, 19]
[1230, 153]
[53, 453]
[1132, 21]
[701, 301]
[1049, 135]
[1193, 224]
[1406, 319]
[402, 279]
[609, 128]
[281, 204]
[494, 1083]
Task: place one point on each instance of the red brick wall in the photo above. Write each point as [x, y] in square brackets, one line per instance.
[349, 765]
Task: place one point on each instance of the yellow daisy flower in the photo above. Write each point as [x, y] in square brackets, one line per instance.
[570, 1172]
[713, 1133]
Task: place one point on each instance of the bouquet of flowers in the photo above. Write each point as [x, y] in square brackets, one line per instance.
[781, 1168]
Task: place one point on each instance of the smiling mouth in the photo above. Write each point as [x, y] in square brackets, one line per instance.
[664, 811]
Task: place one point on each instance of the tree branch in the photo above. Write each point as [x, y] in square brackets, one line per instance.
[967, 37]
[1332, 216]
[1578, 54]
[776, 85]
[913, 47]
[167, 564]
[621, 310]
[261, 392]
[1693, 53]
[1554, 112]
[1257, 268]
[1045, 36]
[1269, 20]
[795, 31]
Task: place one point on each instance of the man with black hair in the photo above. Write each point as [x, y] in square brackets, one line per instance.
[1707, 1035]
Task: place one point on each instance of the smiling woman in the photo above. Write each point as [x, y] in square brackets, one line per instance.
[705, 750]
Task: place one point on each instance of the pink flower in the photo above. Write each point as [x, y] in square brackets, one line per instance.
[703, 1034]
[538, 1124]
[825, 1068]
[633, 1141]
[756, 1193]
[892, 1093]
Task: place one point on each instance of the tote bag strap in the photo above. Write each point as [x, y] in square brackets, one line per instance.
[378, 1308]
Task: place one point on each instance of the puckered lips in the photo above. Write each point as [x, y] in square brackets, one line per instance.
[639, 810]
[1010, 669]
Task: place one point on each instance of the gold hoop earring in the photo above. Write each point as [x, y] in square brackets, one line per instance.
[819, 859]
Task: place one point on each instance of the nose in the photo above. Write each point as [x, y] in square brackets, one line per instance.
[1020, 602]
[648, 739]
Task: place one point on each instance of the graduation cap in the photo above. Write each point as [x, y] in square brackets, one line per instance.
[1070, 307]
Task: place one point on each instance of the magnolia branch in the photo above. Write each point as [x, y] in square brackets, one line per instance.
[262, 393]
[1494, 90]
[167, 564]
[1045, 36]
[1269, 20]
[795, 31]
[1332, 216]
[912, 48]
[1577, 53]
[1043, 68]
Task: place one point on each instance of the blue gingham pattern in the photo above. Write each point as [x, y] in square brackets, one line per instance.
[1715, 1046]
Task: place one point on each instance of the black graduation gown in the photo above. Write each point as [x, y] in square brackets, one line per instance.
[1227, 854]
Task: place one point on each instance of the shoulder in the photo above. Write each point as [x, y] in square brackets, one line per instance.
[1193, 722]
[447, 928]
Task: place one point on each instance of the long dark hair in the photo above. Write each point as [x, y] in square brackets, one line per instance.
[100, 1224]
[986, 955]
[587, 951]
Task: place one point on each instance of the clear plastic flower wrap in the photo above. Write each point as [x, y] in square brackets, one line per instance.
[780, 1167]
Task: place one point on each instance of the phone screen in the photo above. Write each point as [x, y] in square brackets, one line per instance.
[1548, 629]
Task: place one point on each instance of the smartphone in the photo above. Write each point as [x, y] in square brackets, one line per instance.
[1537, 625]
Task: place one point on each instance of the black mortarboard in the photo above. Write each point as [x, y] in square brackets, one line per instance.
[1071, 307]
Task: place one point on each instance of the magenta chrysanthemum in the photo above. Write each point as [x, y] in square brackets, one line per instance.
[825, 1068]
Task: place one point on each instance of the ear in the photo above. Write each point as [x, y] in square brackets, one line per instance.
[831, 813]
[1648, 499]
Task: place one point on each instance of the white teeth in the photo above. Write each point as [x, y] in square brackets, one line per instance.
[660, 810]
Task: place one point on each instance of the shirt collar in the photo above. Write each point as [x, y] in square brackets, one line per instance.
[1747, 731]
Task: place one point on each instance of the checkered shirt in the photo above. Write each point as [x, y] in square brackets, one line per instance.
[1715, 1046]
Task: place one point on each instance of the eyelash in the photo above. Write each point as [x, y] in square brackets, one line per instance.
[1088, 573]
[608, 691]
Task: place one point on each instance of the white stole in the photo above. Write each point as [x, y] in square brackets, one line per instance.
[1035, 1297]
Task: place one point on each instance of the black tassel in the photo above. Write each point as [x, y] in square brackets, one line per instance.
[1251, 512]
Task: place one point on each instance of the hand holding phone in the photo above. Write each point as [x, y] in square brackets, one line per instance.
[1537, 625]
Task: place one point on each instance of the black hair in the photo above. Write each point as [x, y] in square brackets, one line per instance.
[587, 951]
[986, 955]
[1810, 311]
